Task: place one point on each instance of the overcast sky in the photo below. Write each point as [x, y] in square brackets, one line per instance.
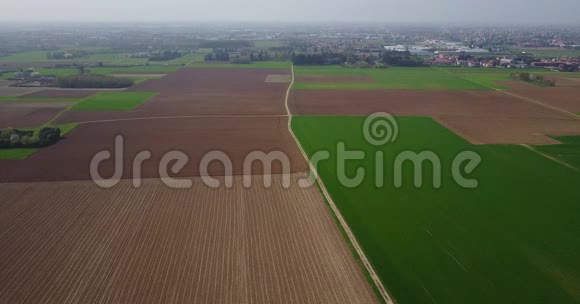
[387, 11]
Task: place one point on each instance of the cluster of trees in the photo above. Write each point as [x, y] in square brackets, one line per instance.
[568, 67]
[260, 56]
[71, 54]
[14, 138]
[323, 58]
[223, 55]
[164, 55]
[404, 59]
[87, 81]
[527, 59]
[534, 78]
[218, 55]
[387, 58]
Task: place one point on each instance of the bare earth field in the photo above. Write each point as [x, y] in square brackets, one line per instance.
[203, 92]
[505, 130]
[28, 114]
[71, 242]
[63, 240]
[70, 158]
[188, 92]
[564, 96]
[211, 91]
[481, 117]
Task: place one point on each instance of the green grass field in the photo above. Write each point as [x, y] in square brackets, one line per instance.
[513, 239]
[113, 101]
[40, 56]
[195, 56]
[32, 56]
[152, 69]
[16, 153]
[548, 52]
[67, 128]
[133, 71]
[390, 78]
[568, 151]
[253, 65]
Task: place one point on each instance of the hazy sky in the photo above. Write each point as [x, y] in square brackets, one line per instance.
[476, 11]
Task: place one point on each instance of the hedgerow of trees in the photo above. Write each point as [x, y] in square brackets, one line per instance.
[387, 58]
[14, 138]
[218, 55]
[404, 59]
[164, 56]
[324, 58]
[87, 81]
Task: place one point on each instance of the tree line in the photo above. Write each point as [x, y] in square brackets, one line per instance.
[388, 58]
[87, 81]
[165, 55]
[14, 138]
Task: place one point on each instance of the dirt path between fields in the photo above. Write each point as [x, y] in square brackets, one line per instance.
[344, 225]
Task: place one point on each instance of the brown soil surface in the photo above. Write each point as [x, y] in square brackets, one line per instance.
[70, 158]
[511, 130]
[279, 78]
[481, 117]
[566, 81]
[203, 91]
[71, 242]
[413, 103]
[333, 79]
[566, 97]
[28, 114]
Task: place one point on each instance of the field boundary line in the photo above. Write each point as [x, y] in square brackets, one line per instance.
[561, 162]
[377, 281]
[178, 117]
[439, 120]
[530, 100]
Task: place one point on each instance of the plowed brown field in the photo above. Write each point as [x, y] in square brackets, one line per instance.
[413, 103]
[481, 117]
[71, 242]
[28, 114]
[202, 92]
[564, 96]
[70, 158]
